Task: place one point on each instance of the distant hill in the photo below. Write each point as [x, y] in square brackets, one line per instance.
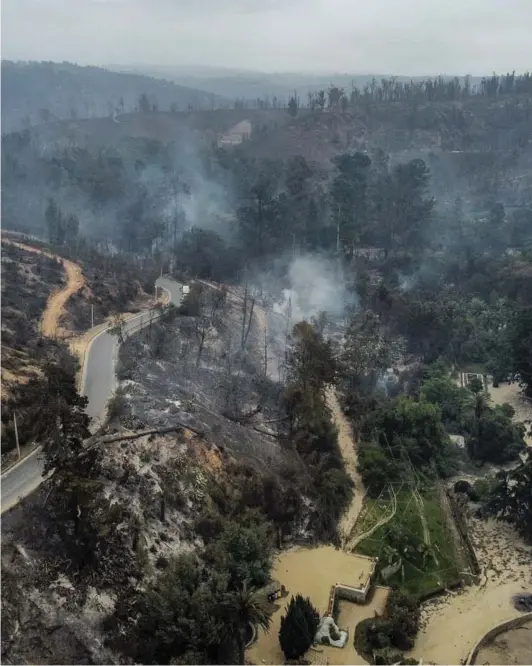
[37, 92]
[252, 85]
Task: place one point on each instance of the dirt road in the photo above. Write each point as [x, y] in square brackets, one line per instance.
[346, 443]
[349, 455]
[57, 300]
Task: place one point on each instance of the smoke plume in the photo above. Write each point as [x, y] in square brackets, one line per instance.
[316, 284]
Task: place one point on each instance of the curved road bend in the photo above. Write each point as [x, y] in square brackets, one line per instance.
[98, 383]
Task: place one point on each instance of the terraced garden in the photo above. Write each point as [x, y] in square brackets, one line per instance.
[416, 540]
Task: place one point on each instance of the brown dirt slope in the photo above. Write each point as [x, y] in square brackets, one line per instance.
[56, 303]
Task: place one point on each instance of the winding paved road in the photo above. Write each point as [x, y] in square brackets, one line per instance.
[98, 383]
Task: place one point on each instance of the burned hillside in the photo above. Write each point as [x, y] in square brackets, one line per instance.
[28, 279]
[204, 365]
[74, 575]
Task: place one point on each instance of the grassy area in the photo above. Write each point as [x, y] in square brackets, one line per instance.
[421, 573]
[374, 510]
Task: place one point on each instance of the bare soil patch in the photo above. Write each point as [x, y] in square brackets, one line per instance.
[349, 455]
[452, 624]
[56, 302]
[311, 572]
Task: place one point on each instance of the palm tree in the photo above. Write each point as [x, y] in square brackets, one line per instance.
[477, 408]
[243, 607]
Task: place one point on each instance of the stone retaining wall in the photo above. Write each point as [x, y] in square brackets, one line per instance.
[462, 529]
[499, 629]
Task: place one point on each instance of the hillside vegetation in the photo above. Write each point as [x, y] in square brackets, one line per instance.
[38, 92]
[344, 249]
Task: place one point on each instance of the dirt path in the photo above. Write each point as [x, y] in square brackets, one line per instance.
[385, 519]
[349, 455]
[346, 443]
[57, 300]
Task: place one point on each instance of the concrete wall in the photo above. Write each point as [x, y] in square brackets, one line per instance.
[356, 594]
[499, 629]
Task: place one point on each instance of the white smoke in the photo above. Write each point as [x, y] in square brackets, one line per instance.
[317, 285]
[196, 195]
[407, 282]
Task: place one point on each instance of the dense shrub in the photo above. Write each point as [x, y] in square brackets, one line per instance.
[298, 627]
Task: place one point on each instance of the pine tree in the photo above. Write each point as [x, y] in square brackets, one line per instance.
[298, 627]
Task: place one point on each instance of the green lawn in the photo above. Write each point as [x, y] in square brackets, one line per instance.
[438, 569]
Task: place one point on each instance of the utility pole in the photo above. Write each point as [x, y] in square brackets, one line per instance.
[16, 433]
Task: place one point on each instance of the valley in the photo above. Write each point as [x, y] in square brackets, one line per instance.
[266, 367]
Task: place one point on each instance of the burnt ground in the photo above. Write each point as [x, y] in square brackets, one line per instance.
[146, 492]
[53, 603]
[227, 394]
[111, 287]
[28, 279]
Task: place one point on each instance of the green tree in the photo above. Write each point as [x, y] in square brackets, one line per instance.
[521, 342]
[496, 438]
[258, 219]
[349, 201]
[204, 253]
[55, 223]
[243, 607]
[454, 401]
[179, 614]
[293, 106]
[410, 210]
[335, 95]
[476, 385]
[368, 349]
[407, 427]
[298, 182]
[144, 103]
[243, 550]
[71, 229]
[298, 627]
[67, 407]
[377, 469]
[116, 327]
[511, 498]
[311, 361]
[51, 411]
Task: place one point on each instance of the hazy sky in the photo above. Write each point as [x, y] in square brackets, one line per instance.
[409, 37]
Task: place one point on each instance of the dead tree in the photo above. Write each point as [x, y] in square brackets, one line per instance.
[266, 351]
[202, 328]
[212, 307]
[247, 316]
